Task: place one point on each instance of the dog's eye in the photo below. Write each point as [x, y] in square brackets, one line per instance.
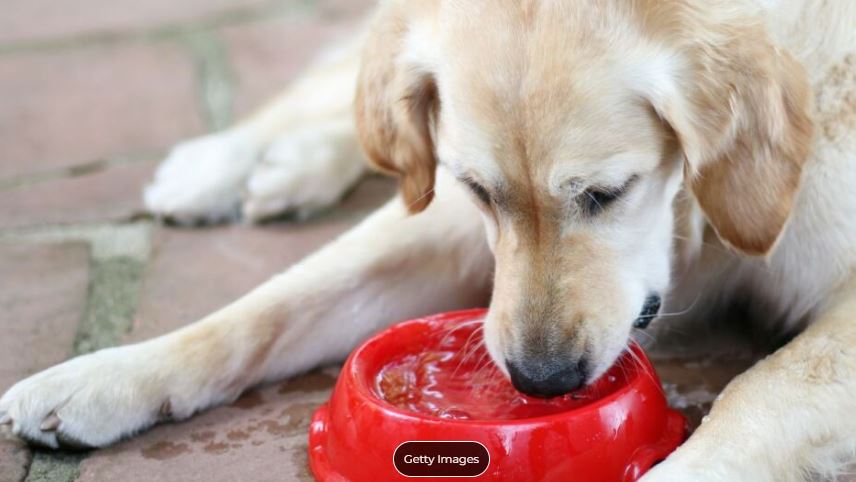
[595, 199]
[478, 190]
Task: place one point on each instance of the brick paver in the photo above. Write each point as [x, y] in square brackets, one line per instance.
[41, 20]
[266, 56]
[337, 9]
[692, 385]
[262, 438]
[41, 304]
[77, 106]
[14, 457]
[113, 193]
[194, 272]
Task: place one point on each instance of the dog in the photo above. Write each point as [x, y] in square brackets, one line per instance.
[577, 163]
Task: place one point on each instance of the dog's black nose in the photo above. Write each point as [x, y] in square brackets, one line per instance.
[649, 311]
[538, 379]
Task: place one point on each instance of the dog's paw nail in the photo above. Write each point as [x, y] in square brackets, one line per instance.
[165, 412]
[50, 423]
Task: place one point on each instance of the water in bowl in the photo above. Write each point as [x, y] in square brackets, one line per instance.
[456, 379]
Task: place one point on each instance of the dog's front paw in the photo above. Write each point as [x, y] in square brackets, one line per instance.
[662, 473]
[201, 180]
[89, 401]
[703, 470]
[303, 172]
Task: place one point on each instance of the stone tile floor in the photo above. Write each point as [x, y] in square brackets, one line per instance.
[89, 101]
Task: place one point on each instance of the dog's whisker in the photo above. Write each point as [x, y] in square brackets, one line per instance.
[484, 364]
[469, 350]
[644, 333]
[676, 313]
[594, 199]
[640, 365]
[423, 196]
[451, 331]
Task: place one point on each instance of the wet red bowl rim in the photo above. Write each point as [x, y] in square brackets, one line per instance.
[642, 366]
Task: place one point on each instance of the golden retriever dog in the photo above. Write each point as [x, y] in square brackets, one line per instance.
[585, 161]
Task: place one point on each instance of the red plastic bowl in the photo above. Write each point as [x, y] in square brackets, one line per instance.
[619, 428]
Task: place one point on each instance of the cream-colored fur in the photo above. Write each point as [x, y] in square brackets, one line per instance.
[745, 108]
[271, 162]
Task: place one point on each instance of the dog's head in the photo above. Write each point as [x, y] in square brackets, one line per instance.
[574, 124]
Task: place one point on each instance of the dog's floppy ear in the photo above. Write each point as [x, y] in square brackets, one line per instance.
[740, 109]
[396, 104]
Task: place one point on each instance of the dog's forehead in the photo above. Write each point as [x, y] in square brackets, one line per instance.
[557, 128]
[540, 86]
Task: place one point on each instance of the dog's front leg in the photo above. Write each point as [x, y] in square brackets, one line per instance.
[391, 267]
[788, 417]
